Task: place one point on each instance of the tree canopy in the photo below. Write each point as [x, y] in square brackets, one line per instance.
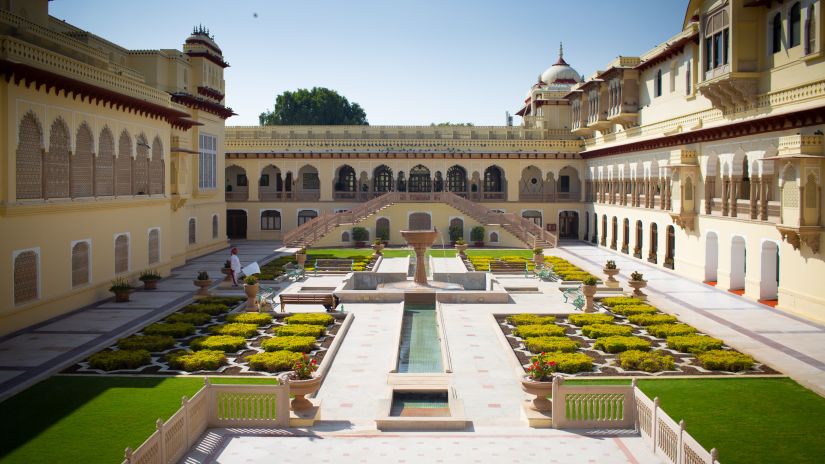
[319, 106]
[452, 124]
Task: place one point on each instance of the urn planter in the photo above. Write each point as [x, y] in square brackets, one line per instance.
[538, 259]
[251, 293]
[542, 389]
[378, 249]
[637, 286]
[301, 388]
[588, 291]
[301, 258]
[462, 249]
[611, 277]
[203, 287]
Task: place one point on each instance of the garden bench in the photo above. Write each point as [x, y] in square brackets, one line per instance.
[328, 300]
[333, 266]
[505, 267]
[293, 273]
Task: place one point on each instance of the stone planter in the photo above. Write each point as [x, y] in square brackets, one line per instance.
[150, 284]
[251, 293]
[588, 291]
[300, 388]
[541, 389]
[122, 296]
[611, 277]
[203, 287]
[227, 272]
[378, 249]
[461, 249]
[301, 258]
[538, 260]
[637, 286]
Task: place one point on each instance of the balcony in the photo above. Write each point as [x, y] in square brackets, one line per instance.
[729, 91]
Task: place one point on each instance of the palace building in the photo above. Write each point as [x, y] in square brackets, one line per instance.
[703, 155]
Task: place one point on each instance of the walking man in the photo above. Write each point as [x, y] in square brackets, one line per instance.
[235, 266]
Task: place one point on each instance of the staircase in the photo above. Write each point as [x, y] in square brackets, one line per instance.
[524, 229]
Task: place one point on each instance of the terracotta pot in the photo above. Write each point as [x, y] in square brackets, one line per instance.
[122, 296]
[300, 388]
[461, 249]
[150, 284]
[542, 389]
[251, 292]
[637, 286]
[301, 258]
[203, 286]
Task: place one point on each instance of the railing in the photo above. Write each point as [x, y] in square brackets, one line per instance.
[239, 195]
[213, 406]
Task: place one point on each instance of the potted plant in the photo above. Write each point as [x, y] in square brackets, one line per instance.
[638, 282]
[384, 237]
[226, 270]
[377, 246]
[637, 252]
[359, 236]
[203, 282]
[538, 256]
[121, 288]
[302, 382]
[539, 381]
[456, 233]
[461, 246]
[251, 287]
[610, 271]
[588, 290]
[477, 236]
[150, 279]
[301, 256]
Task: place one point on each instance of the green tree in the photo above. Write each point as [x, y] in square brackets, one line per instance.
[452, 124]
[319, 106]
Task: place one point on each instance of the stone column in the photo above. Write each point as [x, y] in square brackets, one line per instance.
[725, 195]
[709, 190]
[668, 200]
[735, 186]
[753, 196]
[764, 196]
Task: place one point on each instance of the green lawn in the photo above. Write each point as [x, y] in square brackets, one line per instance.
[90, 419]
[747, 420]
[401, 252]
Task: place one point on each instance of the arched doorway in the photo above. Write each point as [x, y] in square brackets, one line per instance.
[236, 223]
[457, 180]
[626, 236]
[420, 180]
[420, 221]
[456, 229]
[595, 238]
[382, 179]
[382, 229]
[237, 185]
[603, 241]
[670, 250]
[711, 257]
[738, 266]
[653, 256]
[345, 183]
[614, 238]
[569, 224]
[637, 250]
[586, 226]
[769, 279]
[494, 184]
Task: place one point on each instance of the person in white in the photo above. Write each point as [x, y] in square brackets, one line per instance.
[235, 266]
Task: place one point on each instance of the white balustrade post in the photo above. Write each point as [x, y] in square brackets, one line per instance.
[162, 439]
[633, 386]
[714, 456]
[184, 403]
[211, 403]
[654, 427]
[556, 410]
[680, 455]
[127, 455]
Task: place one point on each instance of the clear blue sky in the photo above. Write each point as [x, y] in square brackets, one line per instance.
[405, 62]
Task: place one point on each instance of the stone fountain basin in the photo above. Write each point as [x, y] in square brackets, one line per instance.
[365, 287]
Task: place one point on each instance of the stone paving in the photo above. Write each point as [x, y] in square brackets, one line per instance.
[394, 265]
[788, 343]
[32, 354]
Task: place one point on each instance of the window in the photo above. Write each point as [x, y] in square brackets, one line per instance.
[776, 33]
[264, 180]
[121, 254]
[688, 82]
[794, 23]
[810, 31]
[241, 180]
[271, 220]
[657, 91]
[193, 236]
[564, 184]
[208, 162]
[215, 226]
[80, 264]
[717, 39]
[154, 246]
[26, 278]
[306, 215]
[310, 181]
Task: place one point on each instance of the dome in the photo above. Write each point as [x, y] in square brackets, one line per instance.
[561, 72]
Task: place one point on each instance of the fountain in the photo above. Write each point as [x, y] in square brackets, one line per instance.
[420, 240]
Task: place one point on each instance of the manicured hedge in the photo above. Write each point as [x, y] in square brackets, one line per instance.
[632, 310]
[120, 359]
[530, 319]
[310, 319]
[543, 344]
[570, 363]
[725, 360]
[146, 342]
[230, 301]
[172, 329]
[237, 329]
[669, 330]
[617, 344]
[250, 318]
[204, 360]
[274, 361]
[300, 329]
[274, 268]
[652, 319]
[620, 301]
[693, 343]
[606, 330]
[212, 309]
[648, 361]
[539, 330]
[297, 343]
[590, 319]
[226, 343]
[566, 270]
[189, 318]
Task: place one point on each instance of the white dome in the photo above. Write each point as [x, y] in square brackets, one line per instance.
[560, 73]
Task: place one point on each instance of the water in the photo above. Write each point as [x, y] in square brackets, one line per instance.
[422, 404]
[420, 347]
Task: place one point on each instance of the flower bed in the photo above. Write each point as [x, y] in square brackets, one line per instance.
[275, 268]
[565, 270]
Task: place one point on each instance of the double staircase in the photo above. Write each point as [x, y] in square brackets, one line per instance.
[531, 234]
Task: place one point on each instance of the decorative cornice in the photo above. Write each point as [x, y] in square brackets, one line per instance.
[403, 156]
[215, 59]
[199, 103]
[210, 92]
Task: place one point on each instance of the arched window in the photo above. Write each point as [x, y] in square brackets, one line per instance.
[26, 277]
[56, 163]
[80, 264]
[29, 158]
[346, 180]
[140, 171]
[306, 215]
[382, 179]
[456, 179]
[193, 236]
[776, 33]
[794, 26]
[493, 179]
[420, 180]
[271, 220]
[121, 254]
[82, 184]
[215, 221]
[123, 165]
[105, 165]
[717, 39]
[157, 174]
[345, 236]
[811, 192]
[637, 250]
[493, 237]
[382, 229]
[154, 246]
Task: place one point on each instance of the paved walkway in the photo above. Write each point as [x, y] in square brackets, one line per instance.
[788, 343]
[394, 265]
[32, 354]
[453, 264]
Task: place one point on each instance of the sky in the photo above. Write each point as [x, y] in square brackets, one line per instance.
[406, 62]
